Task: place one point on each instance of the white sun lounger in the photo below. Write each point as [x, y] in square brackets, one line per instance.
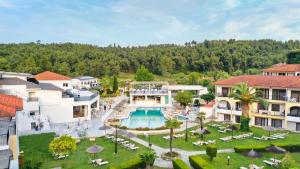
[269, 163]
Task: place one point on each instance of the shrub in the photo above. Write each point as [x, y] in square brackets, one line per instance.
[288, 147]
[241, 149]
[62, 145]
[131, 164]
[179, 164]
[211, 151]
[287, 162]
[199, 163]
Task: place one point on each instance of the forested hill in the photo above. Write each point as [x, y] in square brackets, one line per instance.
[81, 59]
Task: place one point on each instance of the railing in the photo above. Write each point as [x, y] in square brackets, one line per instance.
[223, 94]
[33, 99]
[298, 115]
[267, 112]
[279, 98]
[86, 98]
[148, 92]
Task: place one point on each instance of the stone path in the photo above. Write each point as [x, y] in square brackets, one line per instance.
[184, 155]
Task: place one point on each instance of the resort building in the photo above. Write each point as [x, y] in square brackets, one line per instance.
[283, 70]
[159, 94]
[85, 82]
[281, 92]
[49, 98]
[9, 152]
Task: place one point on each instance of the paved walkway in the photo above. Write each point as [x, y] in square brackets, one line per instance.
[184, 155]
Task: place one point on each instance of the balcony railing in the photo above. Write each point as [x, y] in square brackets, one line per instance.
[33, 99]
[149, 92]
[269, 113]
[294, 115]
[86, 98]
[279, 98]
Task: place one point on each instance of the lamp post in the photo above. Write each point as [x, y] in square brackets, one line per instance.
[148, 136]
[186, 132]
[228, 160]
[116, 142]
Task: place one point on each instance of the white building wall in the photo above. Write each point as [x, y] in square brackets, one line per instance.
[59, 83]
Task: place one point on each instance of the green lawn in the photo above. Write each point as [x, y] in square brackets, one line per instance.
[36, 147]
[182, 144]
[238, 160]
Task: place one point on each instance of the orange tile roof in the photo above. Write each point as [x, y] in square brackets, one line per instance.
[263, 81]
[47, 75]
[283, 68]
[9, 105]
[210, 104]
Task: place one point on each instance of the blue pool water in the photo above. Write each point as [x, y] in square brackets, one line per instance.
[151, 118]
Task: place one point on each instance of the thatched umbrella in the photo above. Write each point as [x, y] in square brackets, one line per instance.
[94, 149]
[204, 132]
[104, 127]
[276, 150]
[269, 128]
[232, 128]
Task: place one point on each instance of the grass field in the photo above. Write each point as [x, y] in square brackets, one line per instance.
[238, 160]
[182, 144]
[36, 147]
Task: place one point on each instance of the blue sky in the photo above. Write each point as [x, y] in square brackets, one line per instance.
[143, 22]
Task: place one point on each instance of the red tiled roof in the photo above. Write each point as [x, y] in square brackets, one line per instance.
[9, 105]
[283, 68]
[263, 81]
[47, 75]
[210, 104]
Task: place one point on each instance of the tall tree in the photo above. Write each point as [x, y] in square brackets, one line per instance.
[115, 84]
[246, 95]
[143, 74]
[172, 124]
[184, 98]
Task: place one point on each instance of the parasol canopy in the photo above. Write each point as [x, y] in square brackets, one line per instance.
[253, 154]
[276, 150]
[94, 149]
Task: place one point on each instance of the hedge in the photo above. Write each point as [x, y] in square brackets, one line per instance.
[131, 164]
[199, 163]
[179, 164]
[288, 147]
[241, 149]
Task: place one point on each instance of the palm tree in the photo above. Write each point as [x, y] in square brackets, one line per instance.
[246, 96]
[171, 124]
[148, 158]
[201, 117]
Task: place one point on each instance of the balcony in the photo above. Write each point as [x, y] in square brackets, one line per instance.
[269, 113]
[293, 118]
[80, 95]
[283, 98]
[148, 92]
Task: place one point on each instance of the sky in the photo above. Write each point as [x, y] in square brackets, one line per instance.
[144, 22]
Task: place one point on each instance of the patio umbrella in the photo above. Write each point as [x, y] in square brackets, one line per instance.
[104, 127]
[94, 149]
[232, 128]
[276, 150]
[269, 128]
[204, 132]
[253, 154]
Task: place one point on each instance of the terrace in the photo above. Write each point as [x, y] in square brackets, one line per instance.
[80, 95]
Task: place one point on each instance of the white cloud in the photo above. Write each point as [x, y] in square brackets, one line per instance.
[229, 4]
[5, 4]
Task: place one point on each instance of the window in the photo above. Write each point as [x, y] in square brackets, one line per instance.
[33, 125]
[263, 93]
[238, 106]
[295, 111]
[32, 113]
[261, 107]
[297, 126]
[237, 119]
[225, 91]
[275, 107]
[226, 117]
[281, 74]
[276, 123]
[261, 121]
[278, 94]
[65, 84]
[295, 96]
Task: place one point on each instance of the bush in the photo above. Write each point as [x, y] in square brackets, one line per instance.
[198, 163]
[241, 149]
[288, 147]
[179, 164]
[131, 164]
[211, 151]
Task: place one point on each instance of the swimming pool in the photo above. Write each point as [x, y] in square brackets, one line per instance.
[145, 118]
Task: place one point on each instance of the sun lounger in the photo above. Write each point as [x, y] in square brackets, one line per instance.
[243, 168]
[109, 136]
[166, 137]
[178, 135]
[198, 143]
[275, 160]
[221, 131]
[59, 157]
[133, 148]
[269, 163]
[257, 167]
[100, 162]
